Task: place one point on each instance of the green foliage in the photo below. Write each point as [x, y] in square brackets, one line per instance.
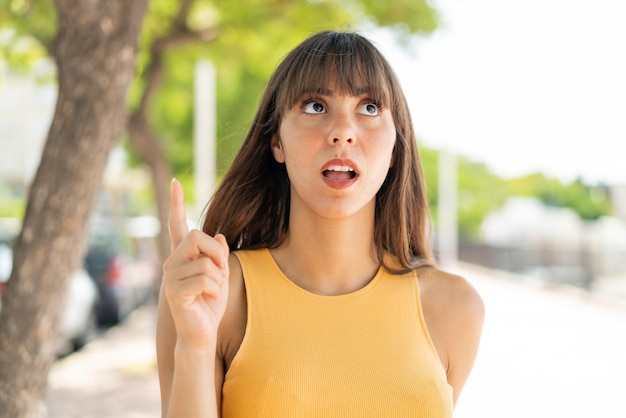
[12, 203]
[253, 36]
[26, 29]
[34, 18]
[405, 17]
[480, 190]
[589, 202]
[12, 208]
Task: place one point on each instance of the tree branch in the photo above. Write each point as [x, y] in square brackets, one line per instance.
[180, 21]
[183, 36]
[178, 37]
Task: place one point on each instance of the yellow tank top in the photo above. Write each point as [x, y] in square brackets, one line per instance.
[363, 354]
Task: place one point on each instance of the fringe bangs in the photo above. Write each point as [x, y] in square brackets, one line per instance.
[345, 62]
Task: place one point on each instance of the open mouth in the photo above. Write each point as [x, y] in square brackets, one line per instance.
[339, 172]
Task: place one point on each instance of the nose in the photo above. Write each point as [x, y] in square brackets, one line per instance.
[342, 130]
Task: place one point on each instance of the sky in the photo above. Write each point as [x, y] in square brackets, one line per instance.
[523, 86]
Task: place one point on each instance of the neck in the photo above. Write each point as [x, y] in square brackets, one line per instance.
[329, 256]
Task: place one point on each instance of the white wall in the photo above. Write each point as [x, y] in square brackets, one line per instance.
[26, 110]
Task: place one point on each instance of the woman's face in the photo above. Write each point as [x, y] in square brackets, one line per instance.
[337, 149]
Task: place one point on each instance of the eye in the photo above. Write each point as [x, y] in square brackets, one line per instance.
[369, 109]
[313, 107]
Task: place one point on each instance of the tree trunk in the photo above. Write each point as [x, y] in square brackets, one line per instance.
[146, 144]
[141, 136]
[95, 52]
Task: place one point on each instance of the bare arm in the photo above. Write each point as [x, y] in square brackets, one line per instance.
[463, 336]
[192, 301]
[454, 314]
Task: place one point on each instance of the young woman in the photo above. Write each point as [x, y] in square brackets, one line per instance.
[311, 290]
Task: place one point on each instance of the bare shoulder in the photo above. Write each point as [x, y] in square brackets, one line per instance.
[449, 293]
[454, 313]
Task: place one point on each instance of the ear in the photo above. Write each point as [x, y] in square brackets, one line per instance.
[277, 148]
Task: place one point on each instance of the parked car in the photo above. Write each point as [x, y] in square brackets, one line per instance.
[125, 281]
[119, 260]
[6, 264]
[78, 322]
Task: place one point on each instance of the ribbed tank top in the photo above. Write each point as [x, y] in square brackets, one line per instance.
[362, 354]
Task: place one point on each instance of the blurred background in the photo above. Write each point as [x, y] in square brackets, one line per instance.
[519, 110]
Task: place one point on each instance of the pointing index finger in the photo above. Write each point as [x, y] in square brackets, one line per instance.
[178, 217]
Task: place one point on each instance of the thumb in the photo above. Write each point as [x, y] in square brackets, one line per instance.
[222, 240]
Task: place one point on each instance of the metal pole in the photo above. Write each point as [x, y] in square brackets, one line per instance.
[447, 210]
[204, 133]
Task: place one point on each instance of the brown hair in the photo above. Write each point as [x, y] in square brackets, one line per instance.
[251, 205]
